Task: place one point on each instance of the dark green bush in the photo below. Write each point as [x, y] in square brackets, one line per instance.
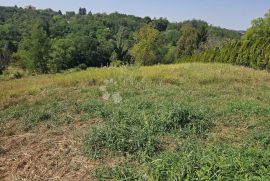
[82, 66]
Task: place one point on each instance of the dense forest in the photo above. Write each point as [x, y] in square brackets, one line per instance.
[45, 41]
[252, 50]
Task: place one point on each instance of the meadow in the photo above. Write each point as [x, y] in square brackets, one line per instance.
[191, 121]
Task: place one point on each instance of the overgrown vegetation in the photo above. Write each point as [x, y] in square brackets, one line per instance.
[252, 50]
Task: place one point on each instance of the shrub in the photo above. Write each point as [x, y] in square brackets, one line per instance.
[116, 63]
[82, 66]
[17, 75]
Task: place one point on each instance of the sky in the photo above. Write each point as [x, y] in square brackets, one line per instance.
[231, 14]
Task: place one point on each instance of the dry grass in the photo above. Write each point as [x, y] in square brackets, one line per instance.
[44, 153]
[192, 74]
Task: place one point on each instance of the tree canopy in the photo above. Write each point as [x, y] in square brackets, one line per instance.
[45, 41]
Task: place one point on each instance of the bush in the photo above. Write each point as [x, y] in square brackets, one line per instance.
[82, 66]
[17, 75]
[116, 63]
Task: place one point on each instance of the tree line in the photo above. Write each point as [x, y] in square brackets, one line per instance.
[45, 41]
[252, 50]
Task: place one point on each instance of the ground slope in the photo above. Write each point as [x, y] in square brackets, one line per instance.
[187, 121]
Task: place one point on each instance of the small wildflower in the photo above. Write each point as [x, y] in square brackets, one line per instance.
[117, 98]
[106, 96]
[111, 81]
[103, 88]
[106, 81]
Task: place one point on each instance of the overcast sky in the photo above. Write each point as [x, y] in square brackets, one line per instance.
[232, 14]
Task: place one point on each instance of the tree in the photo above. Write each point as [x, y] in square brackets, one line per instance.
[4, 59]
[260, 28]
[60, 12]
[89, 13]
[70, 14]
[193, 36]
[146, 49]
[171, 36]
[120, 46]
[82, 11]
[59, 28]
[91, 52]
[147, 19]
[160, 24]
[170, 56]
[99, 38]
[62, 55]
[34, 50]
[188, 41]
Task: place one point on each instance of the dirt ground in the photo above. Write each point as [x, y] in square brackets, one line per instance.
[45, 153]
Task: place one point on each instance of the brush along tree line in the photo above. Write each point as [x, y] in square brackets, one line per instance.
[252, 50]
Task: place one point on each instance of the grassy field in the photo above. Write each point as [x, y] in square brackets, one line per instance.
[174, 122]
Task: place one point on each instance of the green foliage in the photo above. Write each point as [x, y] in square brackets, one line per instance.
[170, 56]
[59, 42]
[146, 49]
[93, 109]
[121, 47]
[116, 63]
[252, 50]
[160, 24]
[82, 11]
[223, 33]
[148, 120]
[62, 54]
[120, 172]
[17, 75]
[194, 162]
[4, 60]
[82, 66]
[34, 50]
[193, 35]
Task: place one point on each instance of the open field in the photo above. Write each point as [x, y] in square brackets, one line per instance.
[189, 121]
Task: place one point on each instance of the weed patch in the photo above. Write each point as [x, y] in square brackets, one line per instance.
[135, 127]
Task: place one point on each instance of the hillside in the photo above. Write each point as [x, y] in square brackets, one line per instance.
[190, 121]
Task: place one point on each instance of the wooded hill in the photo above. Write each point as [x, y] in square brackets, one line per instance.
[45, 41]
